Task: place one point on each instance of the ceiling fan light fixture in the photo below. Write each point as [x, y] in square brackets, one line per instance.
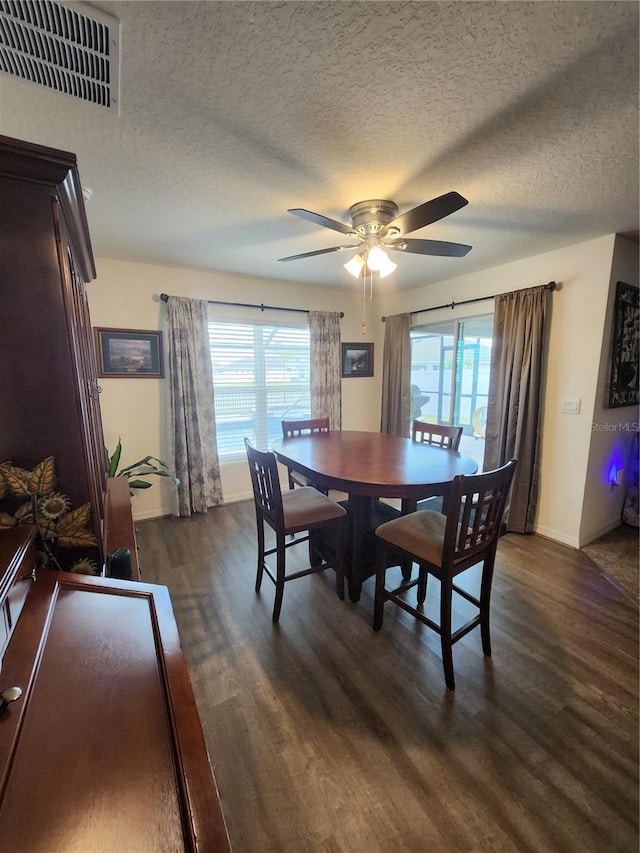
[387, 267]
[378, 261]
[355, 265]
[375, 258]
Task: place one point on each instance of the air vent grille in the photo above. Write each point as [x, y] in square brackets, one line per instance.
[63, 46]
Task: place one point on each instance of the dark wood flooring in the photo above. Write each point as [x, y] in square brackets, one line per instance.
[326, 736]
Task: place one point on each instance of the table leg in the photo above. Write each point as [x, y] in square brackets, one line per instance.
[359, 515]
[355, 590]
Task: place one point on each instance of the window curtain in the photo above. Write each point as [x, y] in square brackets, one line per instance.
[513, 410]
[193, 423]
[325, 379]
[396, 376]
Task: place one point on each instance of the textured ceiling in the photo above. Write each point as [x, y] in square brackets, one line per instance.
[232, 112]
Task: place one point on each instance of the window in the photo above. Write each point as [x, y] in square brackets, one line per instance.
[450, 376]
[260, 376]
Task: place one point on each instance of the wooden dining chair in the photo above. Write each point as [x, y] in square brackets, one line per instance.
[446, 546]
[288, 513]
[438, 434]
[293, 429]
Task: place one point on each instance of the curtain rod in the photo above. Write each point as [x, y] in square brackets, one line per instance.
[165, 298]
[550, 286]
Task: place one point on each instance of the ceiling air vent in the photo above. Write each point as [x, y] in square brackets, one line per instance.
[67, 47]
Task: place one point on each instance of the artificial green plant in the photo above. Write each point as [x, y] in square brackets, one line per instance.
[150, 465]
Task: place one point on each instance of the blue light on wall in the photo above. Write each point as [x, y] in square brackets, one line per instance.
[615, 466]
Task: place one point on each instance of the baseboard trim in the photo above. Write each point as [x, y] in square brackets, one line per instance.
[236, 499]
[151, 514]
[558, 536]
[596, 534]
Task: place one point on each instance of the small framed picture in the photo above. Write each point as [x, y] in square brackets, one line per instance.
[129, 353]
[357, 360]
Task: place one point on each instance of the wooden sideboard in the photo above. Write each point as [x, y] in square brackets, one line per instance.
[119, 530]
[104, 749]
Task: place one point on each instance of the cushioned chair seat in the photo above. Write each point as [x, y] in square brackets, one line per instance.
[420, 533]
[306, 506]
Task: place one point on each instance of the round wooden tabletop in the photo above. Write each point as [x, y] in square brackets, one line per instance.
[372, 463]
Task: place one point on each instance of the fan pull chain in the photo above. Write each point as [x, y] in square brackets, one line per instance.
[363, 328]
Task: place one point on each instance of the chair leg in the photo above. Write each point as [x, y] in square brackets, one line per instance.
[381, 570]
[405, 566]
[260, 554]
[485, 601]
[339, 562]
[446, 593]
[315, 558]
[423, 577]
[280, 574]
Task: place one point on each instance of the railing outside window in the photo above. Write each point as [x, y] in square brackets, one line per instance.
[260, 376]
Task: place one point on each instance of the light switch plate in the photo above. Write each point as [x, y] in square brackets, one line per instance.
[570, 406]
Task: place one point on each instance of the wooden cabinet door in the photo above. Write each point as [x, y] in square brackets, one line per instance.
[84, 371]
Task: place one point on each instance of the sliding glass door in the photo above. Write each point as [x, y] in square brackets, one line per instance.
[450, 376]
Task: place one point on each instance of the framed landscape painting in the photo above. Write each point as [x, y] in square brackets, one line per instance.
[623, 386]
[129, 353]
[357, 360]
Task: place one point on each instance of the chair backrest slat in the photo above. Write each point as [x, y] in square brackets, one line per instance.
[291, 429]
[440, 435]
[475, 508]
[265, 481]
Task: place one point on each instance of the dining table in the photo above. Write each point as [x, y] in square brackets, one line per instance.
[368, 466]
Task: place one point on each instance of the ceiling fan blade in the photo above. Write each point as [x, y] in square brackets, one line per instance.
[427, 213]
[318, 252]
[430, 247]
[318, 219]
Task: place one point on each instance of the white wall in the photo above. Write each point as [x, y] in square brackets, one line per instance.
[575, 504]
[576, 326]
[612, 429]
[126, 295]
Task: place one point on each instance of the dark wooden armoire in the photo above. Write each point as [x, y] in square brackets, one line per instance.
[48, 387]
[101, 746]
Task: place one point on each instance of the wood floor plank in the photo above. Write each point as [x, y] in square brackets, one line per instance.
[327, 736]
